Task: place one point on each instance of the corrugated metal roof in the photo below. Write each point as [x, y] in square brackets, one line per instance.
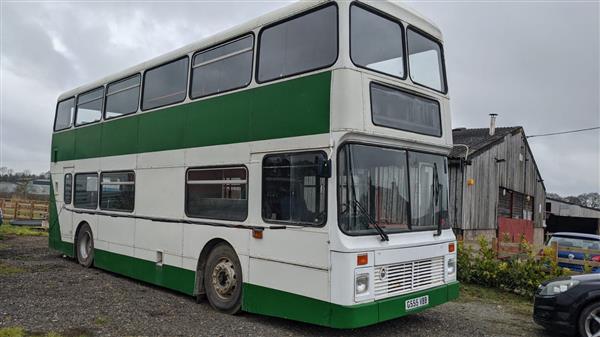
[477, 139]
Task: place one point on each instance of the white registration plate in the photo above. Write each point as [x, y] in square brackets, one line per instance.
[418, 302]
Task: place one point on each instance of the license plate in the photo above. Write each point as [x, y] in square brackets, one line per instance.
[417, 302]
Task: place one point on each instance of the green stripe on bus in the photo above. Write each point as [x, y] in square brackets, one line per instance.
[54, 239]
[272, 302]
[170, 277]
[297, 107]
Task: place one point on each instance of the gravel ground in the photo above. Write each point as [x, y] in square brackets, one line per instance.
[49, 293]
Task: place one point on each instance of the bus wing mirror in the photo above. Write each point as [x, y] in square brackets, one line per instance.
[324, 168]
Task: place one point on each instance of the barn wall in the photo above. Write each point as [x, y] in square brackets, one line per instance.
[479, 202]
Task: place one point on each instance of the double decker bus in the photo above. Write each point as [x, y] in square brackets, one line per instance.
[293, 166]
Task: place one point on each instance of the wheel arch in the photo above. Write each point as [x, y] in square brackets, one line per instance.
[208, 247]
[79, 225]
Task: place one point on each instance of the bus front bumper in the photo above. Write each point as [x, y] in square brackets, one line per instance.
[268, 301]
[389, 308]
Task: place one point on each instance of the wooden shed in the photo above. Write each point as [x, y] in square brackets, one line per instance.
[495, 186]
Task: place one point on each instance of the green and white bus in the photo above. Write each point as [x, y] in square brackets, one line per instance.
[293, 166]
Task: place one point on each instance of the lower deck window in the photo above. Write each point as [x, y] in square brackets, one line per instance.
[86, 190]
[217, 193]
[294, 188]
[118, 191]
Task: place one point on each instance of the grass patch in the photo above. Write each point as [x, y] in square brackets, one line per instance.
[6, 269]
[18, 331]
[101, 320]
[477, 293]
[21, 231]
[12, 332]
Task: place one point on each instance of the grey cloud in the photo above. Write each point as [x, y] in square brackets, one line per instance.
[537, 64]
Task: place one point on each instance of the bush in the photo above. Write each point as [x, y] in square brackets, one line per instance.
[522, 273]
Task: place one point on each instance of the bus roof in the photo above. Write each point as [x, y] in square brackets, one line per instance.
[401, 11]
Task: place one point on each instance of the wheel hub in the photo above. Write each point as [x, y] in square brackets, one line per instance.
[224, 279]
[592, 323]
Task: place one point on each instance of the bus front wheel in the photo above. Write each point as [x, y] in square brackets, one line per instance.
[223, 279]
[85, 246]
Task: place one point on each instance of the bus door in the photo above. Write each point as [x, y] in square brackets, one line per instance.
[64, 202]
[292, 255]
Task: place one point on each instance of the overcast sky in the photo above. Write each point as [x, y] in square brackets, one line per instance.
[536, 64]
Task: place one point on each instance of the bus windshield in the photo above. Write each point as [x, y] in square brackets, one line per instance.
[373, 186]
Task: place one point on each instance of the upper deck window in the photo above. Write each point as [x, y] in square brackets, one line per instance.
[425, 61]
[301, 44]
[89, 107]
[165, 84]
[403, 110]
[64, 114]
[223, 68]
[376, 42]
[122, 97]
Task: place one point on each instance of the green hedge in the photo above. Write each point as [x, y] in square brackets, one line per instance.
[522, 273]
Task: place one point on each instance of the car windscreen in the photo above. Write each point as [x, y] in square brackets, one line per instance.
[580, 243]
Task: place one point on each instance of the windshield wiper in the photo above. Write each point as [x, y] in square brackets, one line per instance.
[384, 236]
[357, 204]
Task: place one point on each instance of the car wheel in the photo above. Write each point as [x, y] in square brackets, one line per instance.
[223, 279]
[84, 245]
[589, 321]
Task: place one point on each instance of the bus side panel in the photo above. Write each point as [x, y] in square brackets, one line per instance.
[63, 146]
[272, 302]
[162, 129]
[120, 136]
[88, 141]
[292, 108]
[167, 276]
[54, 238]
[220, 120]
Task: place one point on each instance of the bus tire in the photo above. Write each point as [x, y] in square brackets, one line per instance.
[84, 246]
[223, 279]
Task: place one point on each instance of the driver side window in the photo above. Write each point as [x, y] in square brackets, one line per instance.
[294, 188]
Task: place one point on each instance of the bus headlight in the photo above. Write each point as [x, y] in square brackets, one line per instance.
[361, 284]
[451, 266]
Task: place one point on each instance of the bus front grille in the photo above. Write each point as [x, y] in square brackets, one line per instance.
[406, 277]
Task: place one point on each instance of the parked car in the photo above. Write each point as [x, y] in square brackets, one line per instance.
[569, 305]
[577, 241]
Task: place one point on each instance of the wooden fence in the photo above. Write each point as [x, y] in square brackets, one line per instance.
[505, 250]
[24, 209]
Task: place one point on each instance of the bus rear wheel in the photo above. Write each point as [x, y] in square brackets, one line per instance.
[84, 246]
[223, 279]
